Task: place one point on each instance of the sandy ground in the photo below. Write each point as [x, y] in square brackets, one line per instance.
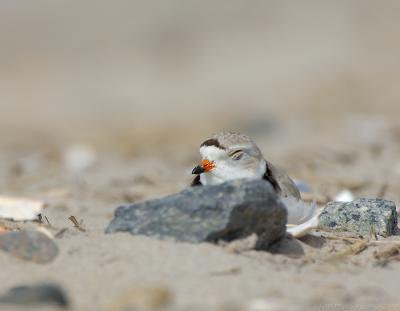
[140, 84]
[96, 269]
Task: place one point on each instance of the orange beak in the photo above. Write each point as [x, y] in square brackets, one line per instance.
[205, 166]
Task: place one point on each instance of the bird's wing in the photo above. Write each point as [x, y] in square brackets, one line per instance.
[298, 210]
[270, 177]
[301, 214]
[286, 184]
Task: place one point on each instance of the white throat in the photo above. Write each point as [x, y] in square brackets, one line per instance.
[225, 170]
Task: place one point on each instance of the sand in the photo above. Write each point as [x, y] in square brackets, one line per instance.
[131, 88]
[97, 269]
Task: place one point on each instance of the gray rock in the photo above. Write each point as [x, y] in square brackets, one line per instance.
[29, 245]
[35, 295]
[227, 211]
[361, 216]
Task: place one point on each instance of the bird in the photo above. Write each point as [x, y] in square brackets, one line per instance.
[228, 156]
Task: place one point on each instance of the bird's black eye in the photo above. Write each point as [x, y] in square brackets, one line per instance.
[237, 155]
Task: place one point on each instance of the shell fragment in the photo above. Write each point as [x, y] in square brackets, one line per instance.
[20, 209]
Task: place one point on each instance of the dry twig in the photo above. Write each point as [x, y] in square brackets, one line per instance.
[231, 271]
[77, 225]
[60, 233]
[352, 249]
[389, 251]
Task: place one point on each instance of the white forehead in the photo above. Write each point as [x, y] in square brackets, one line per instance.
[212, 152]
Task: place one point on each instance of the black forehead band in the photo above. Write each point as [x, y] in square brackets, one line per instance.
[212, 142]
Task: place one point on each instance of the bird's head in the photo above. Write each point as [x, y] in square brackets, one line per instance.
[226, 156]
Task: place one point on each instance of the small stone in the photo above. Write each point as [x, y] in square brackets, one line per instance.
[142, 299]
[362, 216]
[29, 245]
[35, 295]
[344, 196]
[79, 157]
[229, 211]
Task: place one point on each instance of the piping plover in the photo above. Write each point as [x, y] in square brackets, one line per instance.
[226, 156]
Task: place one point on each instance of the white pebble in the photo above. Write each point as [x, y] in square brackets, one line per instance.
[344, 196]
[79, 157]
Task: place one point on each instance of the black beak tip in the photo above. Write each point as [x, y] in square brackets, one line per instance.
[197, 170]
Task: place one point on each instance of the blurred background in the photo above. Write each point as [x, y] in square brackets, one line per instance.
[104, 103]
[120, 71]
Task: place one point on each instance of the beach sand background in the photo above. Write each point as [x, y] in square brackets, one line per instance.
[133, 87]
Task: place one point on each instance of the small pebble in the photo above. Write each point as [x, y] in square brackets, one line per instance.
[29, 245]
[35, 295]
[79, 157]
[344, 196]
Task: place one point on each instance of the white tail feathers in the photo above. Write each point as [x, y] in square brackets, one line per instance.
[301, 230]
[301, 214]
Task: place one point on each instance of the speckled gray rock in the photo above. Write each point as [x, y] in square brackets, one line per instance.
[361, 216]
[29, 245]
[227, 211]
